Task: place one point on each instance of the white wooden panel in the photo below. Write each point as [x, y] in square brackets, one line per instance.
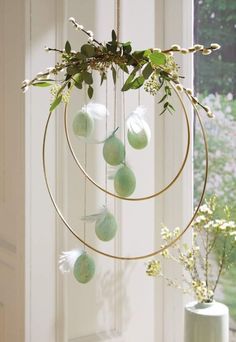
[11, 172]
[174, 26]
[41, 30]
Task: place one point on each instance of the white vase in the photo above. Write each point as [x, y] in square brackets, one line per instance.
[206, 322]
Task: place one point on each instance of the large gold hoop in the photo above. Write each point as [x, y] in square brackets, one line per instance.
[78, 163]
[71, 229]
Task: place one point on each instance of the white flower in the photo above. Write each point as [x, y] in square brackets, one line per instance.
[175, 47]
[184, 51]
[206, 52]
[200, 218]
[229, 96]
[198, 47]
[157, 49]
[205, 209]
[72, 20]
[90, 39]
[215, 46]
[179, 87]
[46, 48]
[189, 91]
[90, 33]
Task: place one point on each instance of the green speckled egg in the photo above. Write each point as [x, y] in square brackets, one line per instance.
[84, 268]
[83, 124]
[106, 227]
[138, 140]
[113, 150]
[124, 181]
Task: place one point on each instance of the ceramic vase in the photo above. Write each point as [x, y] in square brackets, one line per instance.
[206, 322]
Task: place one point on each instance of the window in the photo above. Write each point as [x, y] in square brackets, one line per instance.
[215, 84]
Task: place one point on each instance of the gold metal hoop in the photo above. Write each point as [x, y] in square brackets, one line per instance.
[117, 256]
[131, 198]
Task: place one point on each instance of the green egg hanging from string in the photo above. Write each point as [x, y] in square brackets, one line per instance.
[139, 133]
[124, 181]
[106, 226]
[84, 268]
[113, 150]
[83, 124]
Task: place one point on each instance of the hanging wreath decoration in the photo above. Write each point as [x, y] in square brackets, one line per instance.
[154, 70]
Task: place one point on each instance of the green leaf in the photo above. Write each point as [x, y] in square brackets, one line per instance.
[128, 82]
[103, 77]
[42, 84]
[88, 50]
[90, 92]
[72, 70]
[113, 36]
[111, 47]
[87, 77]
[67, 47]
[171, 107]
[113, 74]
[78, 80]
[163, 98]
[127, 47]
[157, 58]
[168, 90]
[124, 68]
[147, 71]
[138, 54]
[55, 103]
[138, 82]
[147, 53]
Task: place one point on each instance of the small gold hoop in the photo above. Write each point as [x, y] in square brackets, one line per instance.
[117, 257]
[131, 198]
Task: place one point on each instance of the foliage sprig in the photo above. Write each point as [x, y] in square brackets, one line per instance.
[154, 69]
[209, 256]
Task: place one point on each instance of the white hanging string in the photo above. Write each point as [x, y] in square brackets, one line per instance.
[124, 113]
[106, 170]
[85, 178]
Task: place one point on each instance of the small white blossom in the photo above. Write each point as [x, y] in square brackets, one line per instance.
[198, 47]
[72, 20]
[175, 47]
[189, 91]
[184, 51]
[205, 209]
[179, 87]
[90, 33]
[206, 52]
[215, 46]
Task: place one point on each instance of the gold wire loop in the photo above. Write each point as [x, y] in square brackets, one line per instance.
[138, 257]
[131, 198]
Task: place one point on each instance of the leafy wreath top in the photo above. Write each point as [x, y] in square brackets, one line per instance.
[153, 68]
